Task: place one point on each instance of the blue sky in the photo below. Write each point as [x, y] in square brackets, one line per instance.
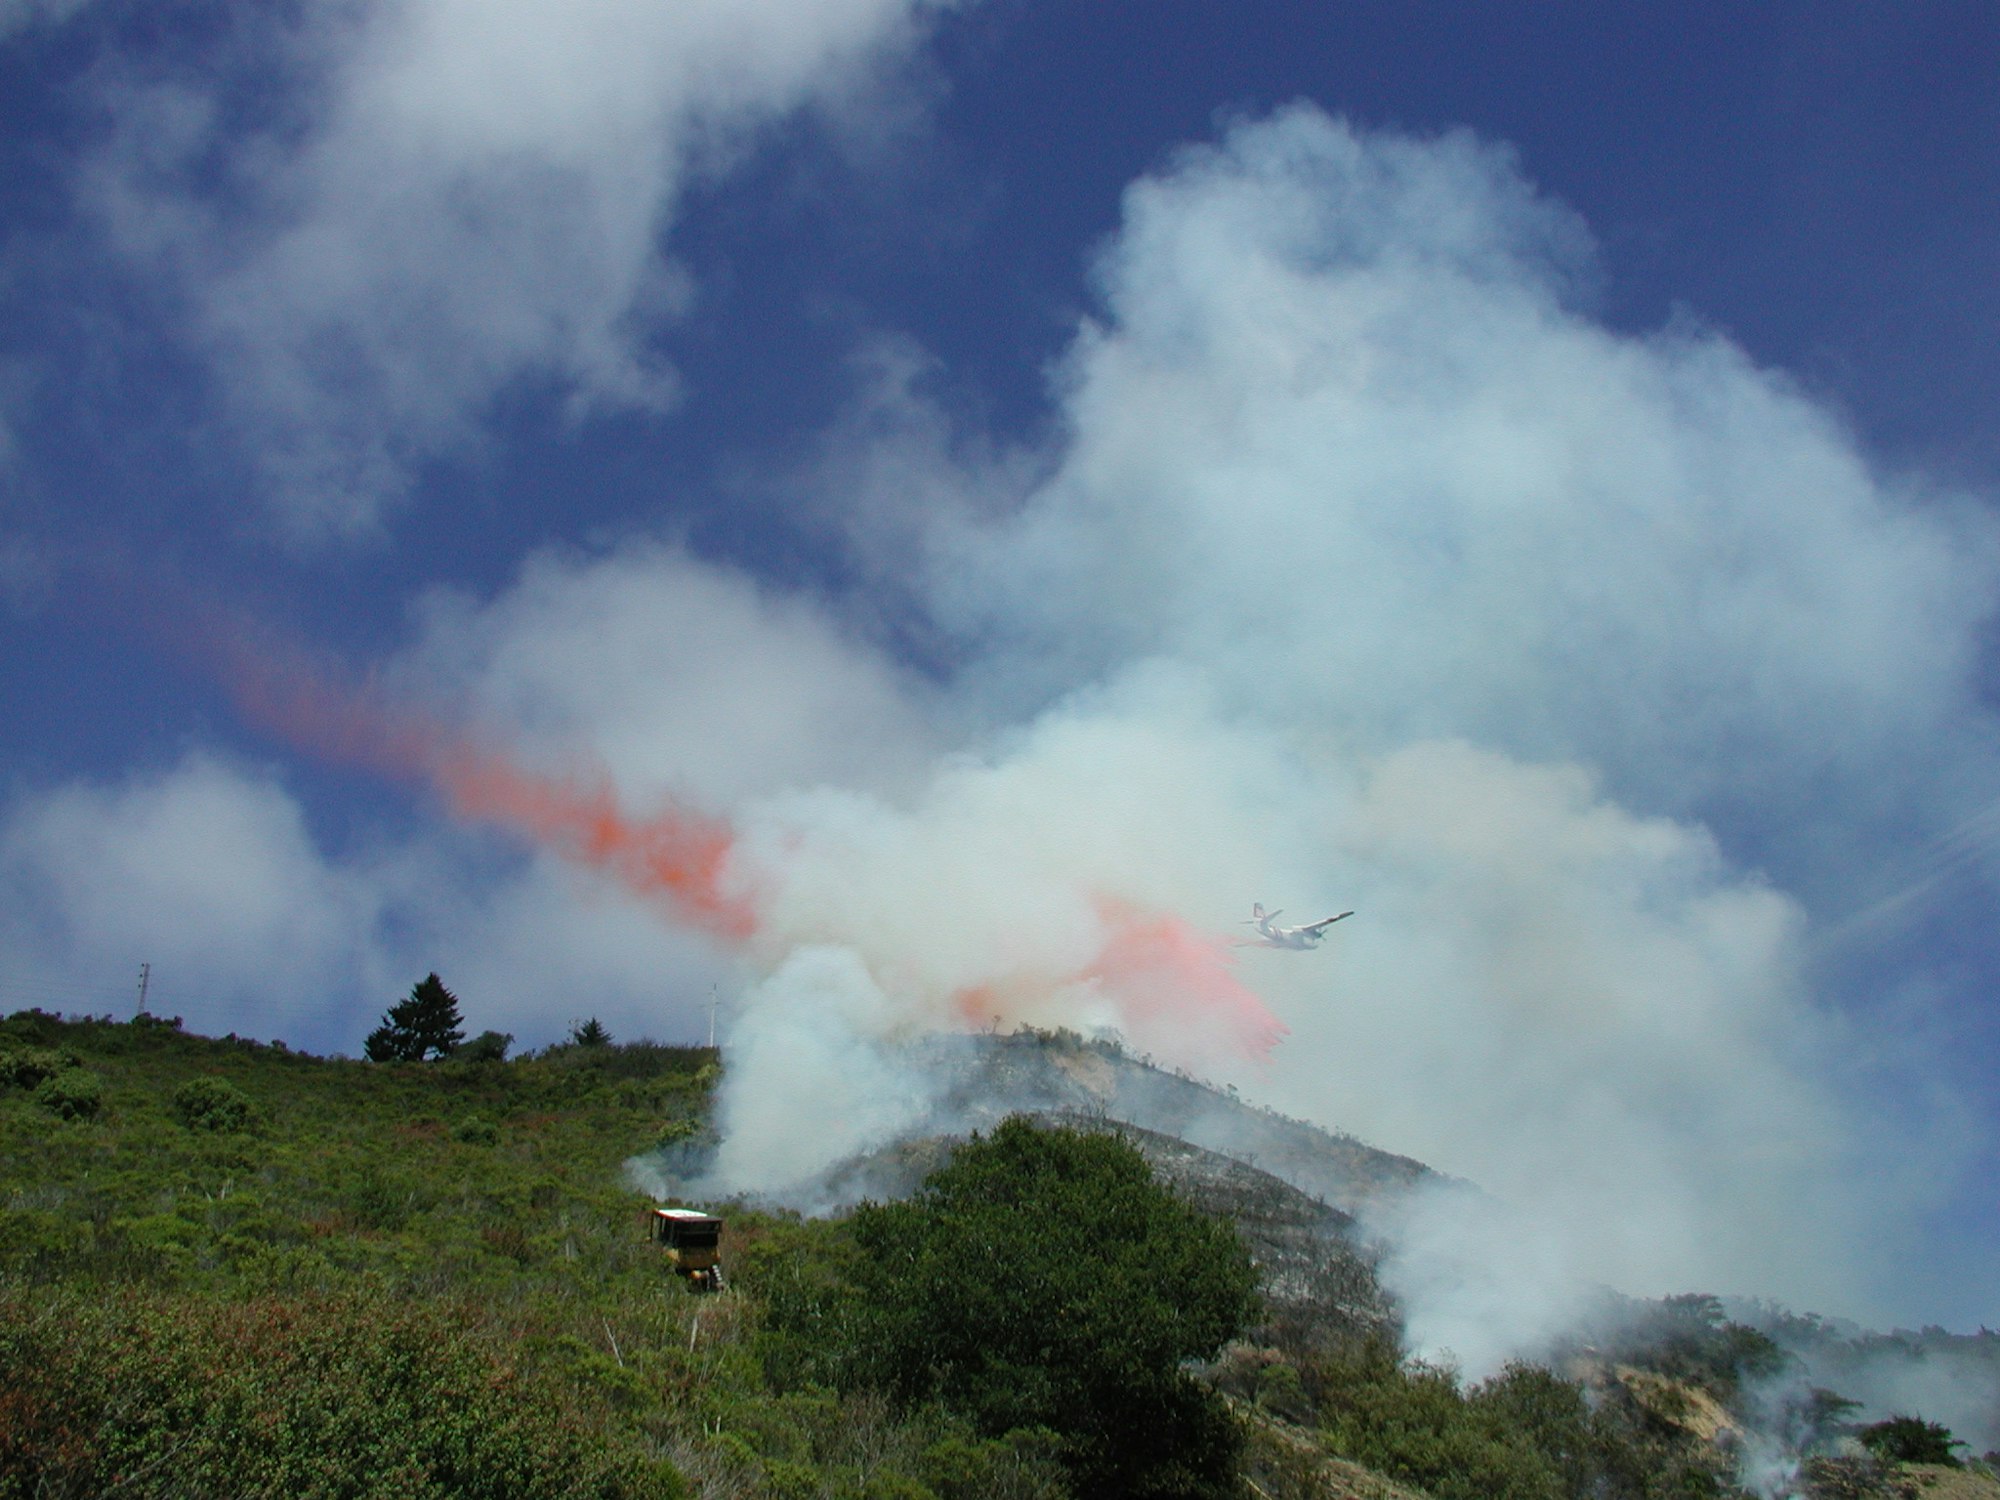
[1525, 472]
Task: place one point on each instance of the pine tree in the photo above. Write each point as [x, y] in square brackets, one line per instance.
[426, 1023]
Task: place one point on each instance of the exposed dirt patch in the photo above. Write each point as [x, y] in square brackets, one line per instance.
[1283, 1461]
[1680, 1404]
[1936, 1482]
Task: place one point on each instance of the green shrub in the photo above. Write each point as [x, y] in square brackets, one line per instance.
[1024, 1464]
[474, 1131]
[1044, 1279]
[26, 1067]
[1411, 1422]
[1911, 1440]
[34, 1025]
[1526, 1434]
[147, 1396]
[786, 1480]
[1279, 1390]
[73, 1094]
[379, 1200]
[892, 1486]
[488, 1046]
[1689, 1338]
[675, 1131]
[40, 1243]
[212, 1104]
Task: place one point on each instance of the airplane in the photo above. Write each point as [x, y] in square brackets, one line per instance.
[1271, 936]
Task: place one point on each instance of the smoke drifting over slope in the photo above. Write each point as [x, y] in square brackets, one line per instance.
[871, 925]
[1367, 571]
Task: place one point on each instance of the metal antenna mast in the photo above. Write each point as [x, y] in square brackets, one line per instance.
[711, 1017]
[145, 976]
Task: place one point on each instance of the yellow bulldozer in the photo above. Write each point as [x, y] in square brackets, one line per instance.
[692, 1243]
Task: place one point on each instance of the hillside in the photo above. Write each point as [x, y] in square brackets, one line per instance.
[399, 1279]
[232, 1268]
[1291, 1188]
[982, 1078]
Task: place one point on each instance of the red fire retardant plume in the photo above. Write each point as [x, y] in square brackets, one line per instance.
[1173, 980]
[676, 853]
[1172, 983]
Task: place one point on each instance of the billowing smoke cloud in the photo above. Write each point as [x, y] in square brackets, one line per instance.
[1367, 571]
[1345, 443]
[817, 1077]
[1596, 670]
[464, 197]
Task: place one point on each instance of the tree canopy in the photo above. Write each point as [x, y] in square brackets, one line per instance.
[1911, 1440]
[425, 1024]
[1044, 1278]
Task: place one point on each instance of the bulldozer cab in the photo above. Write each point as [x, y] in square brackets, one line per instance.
[692, 1242]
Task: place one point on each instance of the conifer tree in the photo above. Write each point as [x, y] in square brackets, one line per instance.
[426, 1023]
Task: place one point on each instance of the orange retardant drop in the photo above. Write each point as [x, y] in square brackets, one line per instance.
[1174, 984]
[676, 853]
[1171, 984]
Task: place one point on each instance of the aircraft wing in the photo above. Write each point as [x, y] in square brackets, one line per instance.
[1321, 926]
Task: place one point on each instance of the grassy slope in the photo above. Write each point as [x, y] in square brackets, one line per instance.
[473, 1213]
[430, 1278]
[349, 1169]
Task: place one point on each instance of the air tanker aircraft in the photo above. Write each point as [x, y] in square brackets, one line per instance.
[1271, 936]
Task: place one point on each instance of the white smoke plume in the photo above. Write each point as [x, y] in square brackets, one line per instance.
[1594, 671]
[820, 1076]
[1949, 1378]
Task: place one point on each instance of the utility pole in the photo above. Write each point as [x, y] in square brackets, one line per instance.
[145, 976]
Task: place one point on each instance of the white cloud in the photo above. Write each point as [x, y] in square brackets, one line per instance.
[468, 196]
[682, 678]
[206, 871]
[535, 949]
[21, 15]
